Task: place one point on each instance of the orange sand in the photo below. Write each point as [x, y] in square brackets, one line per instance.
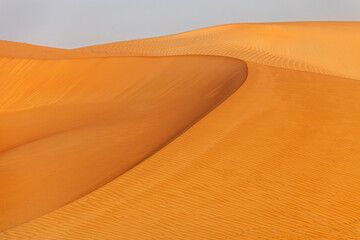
[70, 126]
[23, 50]
[279, 159]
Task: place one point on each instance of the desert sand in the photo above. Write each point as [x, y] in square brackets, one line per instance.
[241, 131]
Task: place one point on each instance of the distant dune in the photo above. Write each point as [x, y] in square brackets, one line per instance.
[240, 131]
[321, 47]
[23, 50]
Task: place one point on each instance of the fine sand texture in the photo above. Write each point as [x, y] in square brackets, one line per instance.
[253, 134]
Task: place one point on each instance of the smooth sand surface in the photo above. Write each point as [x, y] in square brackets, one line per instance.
[278, 159]
[70, 126]
[10, 49]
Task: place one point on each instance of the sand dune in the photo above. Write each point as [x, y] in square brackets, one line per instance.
[23, 50]
[320, 47]
[69, 126]
[278, 159]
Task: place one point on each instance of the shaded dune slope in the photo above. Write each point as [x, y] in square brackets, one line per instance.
[277, 160]
[70, 126]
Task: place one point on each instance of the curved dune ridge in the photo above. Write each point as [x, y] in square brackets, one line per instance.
[320, 47]
[70, 126]
[278, 159]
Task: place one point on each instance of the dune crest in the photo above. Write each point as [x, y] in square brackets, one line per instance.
[316, 47]
[10, 49]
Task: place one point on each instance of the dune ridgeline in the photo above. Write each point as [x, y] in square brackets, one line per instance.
[239, 131]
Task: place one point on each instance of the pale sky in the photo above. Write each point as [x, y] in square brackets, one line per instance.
[77, 23]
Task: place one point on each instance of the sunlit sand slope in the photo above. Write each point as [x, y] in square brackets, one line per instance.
[278, 159]
[320, 47]
[70, 126]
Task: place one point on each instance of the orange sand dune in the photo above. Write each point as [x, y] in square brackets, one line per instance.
[278, 159]
[320, 47]
[69, 126]
[23, 50]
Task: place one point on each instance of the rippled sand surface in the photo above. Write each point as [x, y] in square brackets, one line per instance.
[241, 131]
